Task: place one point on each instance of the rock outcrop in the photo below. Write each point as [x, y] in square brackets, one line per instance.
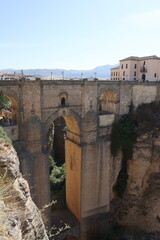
[139, 208]
[19, 216]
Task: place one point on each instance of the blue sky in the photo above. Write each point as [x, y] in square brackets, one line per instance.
[76, 34]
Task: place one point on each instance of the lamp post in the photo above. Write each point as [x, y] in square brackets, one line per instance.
[51, 75]
[63, 75]
[95, 75]
[81, 75]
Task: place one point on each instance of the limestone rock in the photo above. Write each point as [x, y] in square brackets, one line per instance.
[140, 206]
[20, 219]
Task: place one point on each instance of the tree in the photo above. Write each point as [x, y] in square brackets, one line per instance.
[4, 101]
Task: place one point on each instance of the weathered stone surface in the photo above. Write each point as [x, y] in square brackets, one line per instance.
[140, 206]
[19, 217]
[82, 103]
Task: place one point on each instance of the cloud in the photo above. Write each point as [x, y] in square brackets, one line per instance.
[146, 19]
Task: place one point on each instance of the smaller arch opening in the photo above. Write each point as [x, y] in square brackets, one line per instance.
[8, 110]
[63, 101]
[9, 118]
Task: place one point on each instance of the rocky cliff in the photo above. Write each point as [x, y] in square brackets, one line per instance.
[19, 216]
[139, 208]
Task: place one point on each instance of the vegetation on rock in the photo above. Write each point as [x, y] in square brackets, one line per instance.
[3, 135]
[4, 101]
[146, 118]
[57, 176]
[123, 137]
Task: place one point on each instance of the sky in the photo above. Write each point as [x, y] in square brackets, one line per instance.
[76, 34]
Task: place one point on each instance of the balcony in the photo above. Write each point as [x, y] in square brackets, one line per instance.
[143, 69]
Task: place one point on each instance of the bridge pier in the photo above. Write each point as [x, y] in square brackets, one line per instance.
[35, 168]
[95, 179]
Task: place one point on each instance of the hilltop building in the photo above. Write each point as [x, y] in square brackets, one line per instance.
[13, 76]
[137, 68]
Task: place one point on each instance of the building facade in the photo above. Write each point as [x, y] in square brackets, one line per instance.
[14, 76]
[137, 69]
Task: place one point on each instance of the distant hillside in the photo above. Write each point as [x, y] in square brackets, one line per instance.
[101, 72]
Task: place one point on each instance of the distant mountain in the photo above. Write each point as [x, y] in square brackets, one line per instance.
[99, 72]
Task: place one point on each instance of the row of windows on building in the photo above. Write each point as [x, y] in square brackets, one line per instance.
[135, 74]
[135, 65]
[122, 66]
[114, 74]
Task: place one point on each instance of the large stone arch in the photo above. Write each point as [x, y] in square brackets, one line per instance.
[64, 113]
[72, 157]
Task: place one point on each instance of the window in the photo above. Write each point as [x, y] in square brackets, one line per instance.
[123, 73]
[116, 73]
[126, 65]
[63, 101]
[123, 78]
[144, 63]
[135, 66]
[134, 78]
[155, 75]
[134, 73]
[122, 66]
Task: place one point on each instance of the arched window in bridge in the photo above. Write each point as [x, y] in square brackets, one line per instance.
[63, 101]
[108, 102]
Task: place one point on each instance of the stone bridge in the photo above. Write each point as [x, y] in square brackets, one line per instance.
[88, 107]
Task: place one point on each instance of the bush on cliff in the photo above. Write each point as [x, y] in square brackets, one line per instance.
[146, 118]
[3, 135]
[123, 137]
[4, 101]
[57, 176]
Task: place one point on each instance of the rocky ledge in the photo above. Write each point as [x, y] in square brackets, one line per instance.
[139, 208]
[20, 219]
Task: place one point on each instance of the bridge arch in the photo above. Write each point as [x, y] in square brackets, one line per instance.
[10, 114]
[108, 101]
[72, 157]
[73, 120]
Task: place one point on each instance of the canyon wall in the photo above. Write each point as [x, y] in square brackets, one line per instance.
[139, 208]
[20, 219]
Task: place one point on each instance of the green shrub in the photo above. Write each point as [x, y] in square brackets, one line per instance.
[146, 118]
[123, 137]
[4, 101]
[57, 176]
[3, 135]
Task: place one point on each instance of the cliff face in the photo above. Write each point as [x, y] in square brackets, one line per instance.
[139, 207]
[19, 216]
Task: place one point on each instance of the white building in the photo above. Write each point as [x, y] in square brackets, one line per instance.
[13, 76]
[137, 68]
